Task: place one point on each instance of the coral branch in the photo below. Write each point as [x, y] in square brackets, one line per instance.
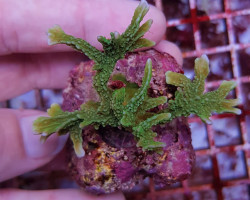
[190, 97]
[76, 138]
[57, 36]
[57, 121]
[139, 97]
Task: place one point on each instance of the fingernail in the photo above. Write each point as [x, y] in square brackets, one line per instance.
[32, 145]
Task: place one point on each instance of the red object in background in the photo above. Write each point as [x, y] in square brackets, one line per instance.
[220, 29]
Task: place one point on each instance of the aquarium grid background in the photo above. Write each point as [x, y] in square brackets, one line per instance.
[228, 180]
[223, 162]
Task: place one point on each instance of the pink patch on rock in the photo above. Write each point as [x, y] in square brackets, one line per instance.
[124, 171]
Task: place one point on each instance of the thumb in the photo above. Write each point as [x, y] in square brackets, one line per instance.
[21, 150]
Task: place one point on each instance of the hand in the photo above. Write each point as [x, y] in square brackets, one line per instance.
[27, 62]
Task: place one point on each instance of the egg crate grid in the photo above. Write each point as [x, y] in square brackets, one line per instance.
[218, 28]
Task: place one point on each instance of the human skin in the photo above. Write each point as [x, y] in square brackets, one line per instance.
[27, 62]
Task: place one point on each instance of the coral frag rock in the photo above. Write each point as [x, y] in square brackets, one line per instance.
[112, 160]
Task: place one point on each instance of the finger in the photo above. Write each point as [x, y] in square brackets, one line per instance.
[63, 194]
[21, 150]
[20, 73]
[59, 162]
[172, 49]
[23, 25]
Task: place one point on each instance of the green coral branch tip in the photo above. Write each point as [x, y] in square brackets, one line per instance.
[191, 99]
[152, 121]
[58, 121]
[152, 103]
[76, 138]
[140, 11]
[55, 35]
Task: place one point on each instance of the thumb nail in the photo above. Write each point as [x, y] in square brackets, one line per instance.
[32, 145]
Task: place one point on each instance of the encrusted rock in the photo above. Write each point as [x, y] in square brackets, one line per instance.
[113, 161]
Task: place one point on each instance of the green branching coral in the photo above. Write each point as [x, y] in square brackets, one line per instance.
[129, 107]
[190, 97]
[114, 49]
